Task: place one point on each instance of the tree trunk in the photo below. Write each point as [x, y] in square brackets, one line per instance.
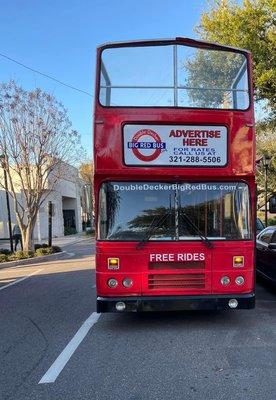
[27, 238]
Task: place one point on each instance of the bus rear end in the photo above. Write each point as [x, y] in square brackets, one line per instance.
[174, 177]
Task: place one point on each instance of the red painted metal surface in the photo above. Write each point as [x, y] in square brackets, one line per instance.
[135, 264]
[108, 144]
[109, 166]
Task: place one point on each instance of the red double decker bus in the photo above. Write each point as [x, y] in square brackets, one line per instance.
[174, 176]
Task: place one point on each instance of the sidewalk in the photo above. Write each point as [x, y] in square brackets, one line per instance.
[60, 241]
[70, 239]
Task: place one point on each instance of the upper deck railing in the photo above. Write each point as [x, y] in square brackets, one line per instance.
[173, 75]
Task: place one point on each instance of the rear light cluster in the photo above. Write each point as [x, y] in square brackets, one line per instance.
[127, 282]
[238, 261]
[113, 263]
[225, 280]
[239, 280]
[113, 283]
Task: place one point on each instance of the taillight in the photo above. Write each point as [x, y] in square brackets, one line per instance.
[238, 261]
[239, 280]
[127, 282]
[112, 283]
[113, 263]
[225, 280]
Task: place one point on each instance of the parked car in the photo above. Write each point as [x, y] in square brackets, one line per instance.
[259, 225]
[266, 253]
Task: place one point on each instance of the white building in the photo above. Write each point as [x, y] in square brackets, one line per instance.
[67, 210]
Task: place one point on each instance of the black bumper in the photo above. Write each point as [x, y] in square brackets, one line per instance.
[174, 303]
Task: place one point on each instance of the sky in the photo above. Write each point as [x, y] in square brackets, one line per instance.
[59, 38]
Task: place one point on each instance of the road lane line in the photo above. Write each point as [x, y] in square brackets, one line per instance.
[53, 372]
[21, 279]
[70, 254]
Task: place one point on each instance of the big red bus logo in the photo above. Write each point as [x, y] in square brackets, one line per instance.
[146, 145]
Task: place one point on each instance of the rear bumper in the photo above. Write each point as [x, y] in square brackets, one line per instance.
[174, 303]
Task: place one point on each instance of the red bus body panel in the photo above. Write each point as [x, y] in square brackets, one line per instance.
[135, 264]
[108, 145]
[109, 166]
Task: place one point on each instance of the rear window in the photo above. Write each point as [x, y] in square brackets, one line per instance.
[173, 76]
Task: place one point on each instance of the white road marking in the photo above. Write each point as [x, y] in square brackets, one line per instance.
[21, 267]
[21, 279]
[53, 372]
[70, 254]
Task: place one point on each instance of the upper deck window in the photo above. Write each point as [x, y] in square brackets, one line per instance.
[173, 76]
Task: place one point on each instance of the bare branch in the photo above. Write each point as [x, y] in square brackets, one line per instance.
[37, 141]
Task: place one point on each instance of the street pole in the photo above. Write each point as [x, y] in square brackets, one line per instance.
[3, 158]
[266, 162]
[50, 214]
[88, 203]
[266, 168]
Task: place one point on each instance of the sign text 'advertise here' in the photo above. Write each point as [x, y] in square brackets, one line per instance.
[171, 145]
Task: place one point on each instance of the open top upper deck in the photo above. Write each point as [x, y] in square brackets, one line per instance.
[173, 103]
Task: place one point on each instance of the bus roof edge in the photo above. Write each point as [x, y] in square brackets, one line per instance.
[168, 41]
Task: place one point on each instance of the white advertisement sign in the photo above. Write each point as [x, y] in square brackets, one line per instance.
[175, 145]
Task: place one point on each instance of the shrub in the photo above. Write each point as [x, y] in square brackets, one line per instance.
[3, 258]
[40, 246]
[5, 251]
[20, 255]
[271, 221]
[56, 249]
[42, 251]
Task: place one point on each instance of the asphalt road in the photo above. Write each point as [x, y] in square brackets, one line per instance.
[178, 356]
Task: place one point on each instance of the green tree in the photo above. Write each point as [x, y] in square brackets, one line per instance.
[215, 72]
[266, 146]
[250, 25]
[86, 172]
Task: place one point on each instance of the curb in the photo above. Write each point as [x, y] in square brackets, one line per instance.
[35, 260]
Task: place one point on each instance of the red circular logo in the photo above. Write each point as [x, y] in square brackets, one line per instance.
[154, 136]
